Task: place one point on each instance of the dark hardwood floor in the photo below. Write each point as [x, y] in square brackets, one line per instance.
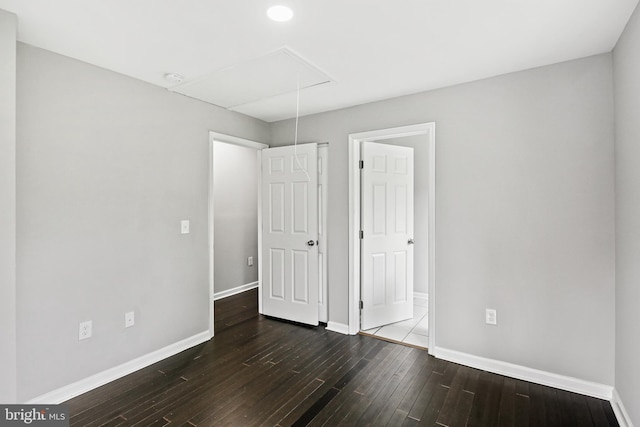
[263, 372]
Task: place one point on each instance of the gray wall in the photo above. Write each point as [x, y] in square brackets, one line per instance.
[420, 146]
[524, 212]
[627, 108]
[235, 176]
[107, 166]
[8, 26]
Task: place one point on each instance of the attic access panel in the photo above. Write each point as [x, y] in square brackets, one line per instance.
[264, 77]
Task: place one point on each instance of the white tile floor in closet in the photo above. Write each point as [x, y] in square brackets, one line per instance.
[413, 331]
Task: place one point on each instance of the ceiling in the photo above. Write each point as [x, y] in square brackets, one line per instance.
[363, 50]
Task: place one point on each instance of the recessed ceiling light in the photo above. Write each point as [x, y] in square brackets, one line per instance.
[280, 13]
[173, 77]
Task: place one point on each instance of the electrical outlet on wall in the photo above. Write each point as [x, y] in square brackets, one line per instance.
[250, 261]
[491, 316]
[129, 319]
[86, 330]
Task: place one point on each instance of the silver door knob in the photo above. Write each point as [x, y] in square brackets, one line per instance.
[410, 242]
[311, 243]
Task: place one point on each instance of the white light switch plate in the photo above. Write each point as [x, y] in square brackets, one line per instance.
[184, 226]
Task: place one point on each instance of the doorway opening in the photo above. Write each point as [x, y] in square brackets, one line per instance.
[234, 217]
[421, 138]
[235, 247]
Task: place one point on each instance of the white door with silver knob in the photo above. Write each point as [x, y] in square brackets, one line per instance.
[387, 235]
[290, 233]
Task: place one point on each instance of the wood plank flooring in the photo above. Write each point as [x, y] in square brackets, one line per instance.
[259, 371]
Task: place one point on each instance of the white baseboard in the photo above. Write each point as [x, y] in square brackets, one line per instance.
[234, 291]
[72, 390]
[562, 382]
[338, 327]
[621, 413]
[421, 295]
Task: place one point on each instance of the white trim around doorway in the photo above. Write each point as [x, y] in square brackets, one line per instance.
[427, 129]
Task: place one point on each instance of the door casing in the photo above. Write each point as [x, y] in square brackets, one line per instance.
[428, 130]
[323, 200]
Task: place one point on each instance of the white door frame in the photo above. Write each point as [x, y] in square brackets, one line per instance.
[323, 181]
[427, 129]
[229, 139]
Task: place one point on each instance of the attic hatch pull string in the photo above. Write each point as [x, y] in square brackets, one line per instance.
[295, 139]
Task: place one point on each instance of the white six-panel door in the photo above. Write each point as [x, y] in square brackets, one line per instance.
[290, 233]
[387, 234]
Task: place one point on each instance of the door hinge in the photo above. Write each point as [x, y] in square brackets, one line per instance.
[361, 305]
[361, 164]
[361, 234]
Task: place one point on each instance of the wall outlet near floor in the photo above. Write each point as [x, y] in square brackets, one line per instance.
[491, 317]
[129, 319]
[250, 261]
[85, 331]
